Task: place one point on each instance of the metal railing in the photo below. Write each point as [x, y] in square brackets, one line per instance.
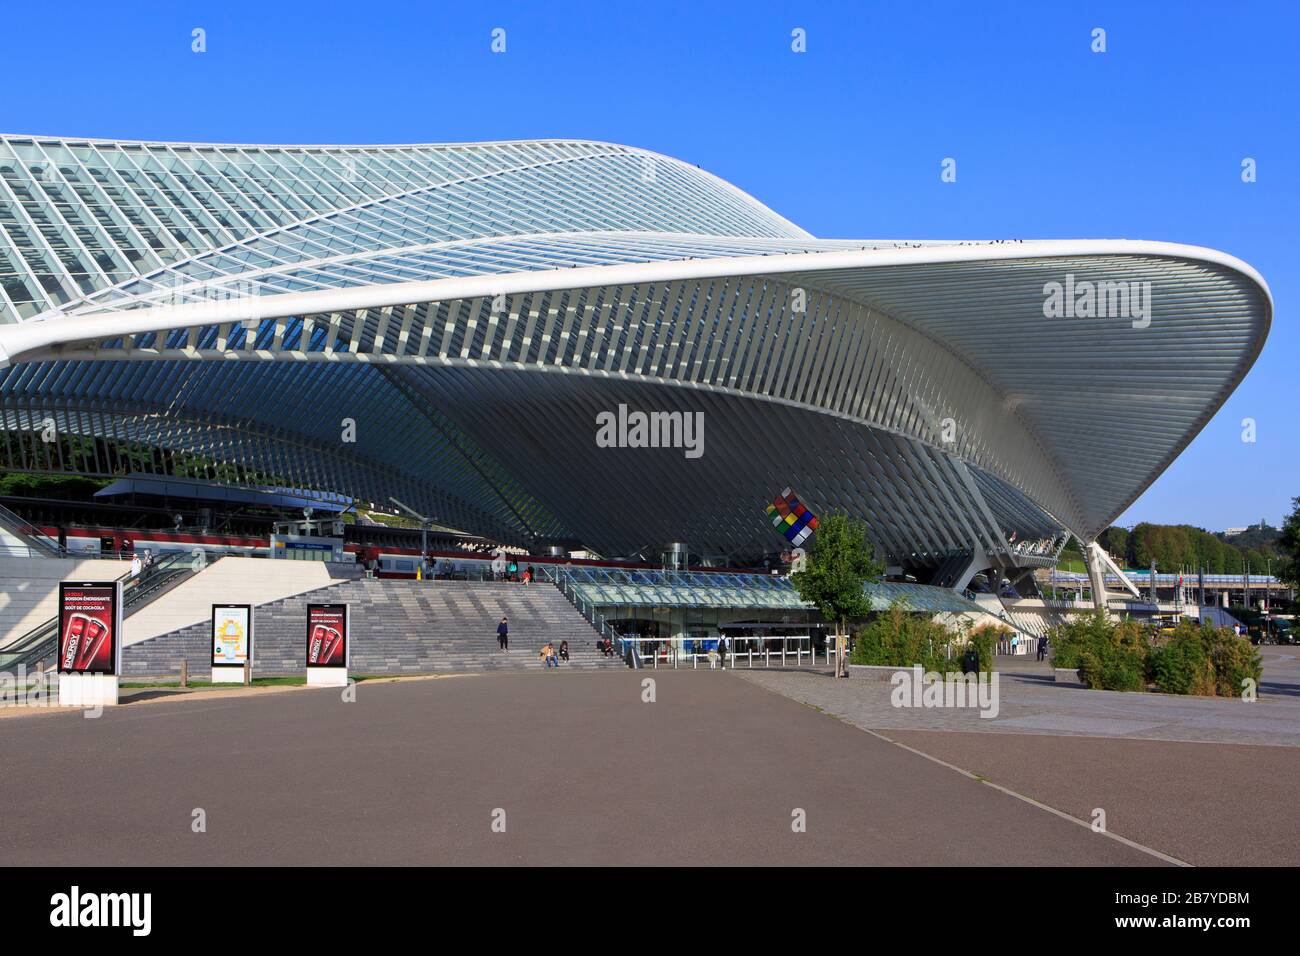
[673, 652]
[561, 578]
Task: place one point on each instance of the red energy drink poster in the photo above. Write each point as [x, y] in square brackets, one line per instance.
[90, 625]
[327, 635]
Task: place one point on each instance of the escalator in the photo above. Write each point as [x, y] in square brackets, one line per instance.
[39, 644]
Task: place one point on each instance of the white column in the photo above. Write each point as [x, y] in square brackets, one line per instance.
[1093, 557]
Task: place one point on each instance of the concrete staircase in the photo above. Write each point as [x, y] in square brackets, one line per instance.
[398, 627]
[1037, 621]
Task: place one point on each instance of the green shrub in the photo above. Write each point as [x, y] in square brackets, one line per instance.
[900, 637]
[1234, 659]
[985, 637]
[1108, 655]
[1125, 655]
[1181, 663]
[1069, 640]
[1204, 660]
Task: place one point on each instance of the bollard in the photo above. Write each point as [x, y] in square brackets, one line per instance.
[185, 673]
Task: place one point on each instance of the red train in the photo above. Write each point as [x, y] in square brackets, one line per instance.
[116, 542]
[388, 561]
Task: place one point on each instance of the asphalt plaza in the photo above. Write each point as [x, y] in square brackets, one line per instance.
[578, 767]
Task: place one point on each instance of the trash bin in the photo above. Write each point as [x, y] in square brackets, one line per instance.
[970, 661]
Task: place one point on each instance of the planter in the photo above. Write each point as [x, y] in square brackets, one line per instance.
[875, 672]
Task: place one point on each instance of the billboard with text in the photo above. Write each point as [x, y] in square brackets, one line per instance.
[90, 627]
[327, 635]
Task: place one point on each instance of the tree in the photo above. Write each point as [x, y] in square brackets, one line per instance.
[1115, 540]
[1139, 545]
[840, 564]
[1290, 545]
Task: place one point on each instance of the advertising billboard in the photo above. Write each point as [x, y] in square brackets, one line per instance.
[90, 627]
[327, 635]
[232, 634]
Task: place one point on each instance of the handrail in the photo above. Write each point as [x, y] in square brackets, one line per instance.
[563, 580]
[731, 657]
[33, 636]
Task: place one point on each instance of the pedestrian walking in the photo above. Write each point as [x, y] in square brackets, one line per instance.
[503, 635]
[1042, 648]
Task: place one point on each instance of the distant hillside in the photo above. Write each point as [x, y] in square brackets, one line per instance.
[1177, 546]
[1260, 537]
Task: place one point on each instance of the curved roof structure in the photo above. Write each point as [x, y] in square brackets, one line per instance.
[444, 323]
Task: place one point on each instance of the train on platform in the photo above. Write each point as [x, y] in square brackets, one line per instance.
[97, 542]
[385, 560]
[459, 565]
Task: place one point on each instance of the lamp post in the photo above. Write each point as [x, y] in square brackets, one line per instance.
[1268, 582]
[424, 527]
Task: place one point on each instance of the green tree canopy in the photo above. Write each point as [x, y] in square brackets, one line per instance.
[1290, 545]
[841, 562]
[1174, 547]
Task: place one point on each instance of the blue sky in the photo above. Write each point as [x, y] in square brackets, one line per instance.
[1144, 141]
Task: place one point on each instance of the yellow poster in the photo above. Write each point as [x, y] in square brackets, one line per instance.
[230, 638]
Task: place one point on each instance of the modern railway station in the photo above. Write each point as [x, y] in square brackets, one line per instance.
[415, 452]
[408, 378]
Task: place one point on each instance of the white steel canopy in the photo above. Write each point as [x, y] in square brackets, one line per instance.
[472, 309]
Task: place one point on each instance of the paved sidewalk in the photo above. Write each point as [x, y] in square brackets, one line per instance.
[1210, 782]
[1207, 804]
[1032, 704]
